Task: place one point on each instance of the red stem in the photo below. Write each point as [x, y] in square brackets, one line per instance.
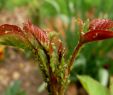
[76, 50]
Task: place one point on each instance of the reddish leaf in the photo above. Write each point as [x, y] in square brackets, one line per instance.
[96, 35]
[100, 24]
[11, 29]
[7, 29]
[38, 33]
[14, 32]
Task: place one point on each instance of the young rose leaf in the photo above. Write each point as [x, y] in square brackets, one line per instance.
[96, 35]
[100, 24]
[10, 29]
[12, 35]
[38, 33]
[15, 41]
[98, 30]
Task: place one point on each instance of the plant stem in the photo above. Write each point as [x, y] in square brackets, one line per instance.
[56, 89]
[74, 54]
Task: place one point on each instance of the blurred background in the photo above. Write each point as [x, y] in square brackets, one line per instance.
[20, 76]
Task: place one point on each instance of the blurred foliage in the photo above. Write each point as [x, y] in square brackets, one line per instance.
[15, 89]
[12, 4]
[93, 58]
[81, 8]
[34, 11]
[2, 3]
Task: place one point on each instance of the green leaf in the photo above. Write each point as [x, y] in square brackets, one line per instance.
[54, 4]
[42, 87]
[53, 61]
[111, 86]
[92, 86]
[43, 59]
[103, 76]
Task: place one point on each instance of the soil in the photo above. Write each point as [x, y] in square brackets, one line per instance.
[17, 67]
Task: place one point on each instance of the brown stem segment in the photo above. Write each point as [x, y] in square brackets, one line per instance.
[56, 89]
[71, 61]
